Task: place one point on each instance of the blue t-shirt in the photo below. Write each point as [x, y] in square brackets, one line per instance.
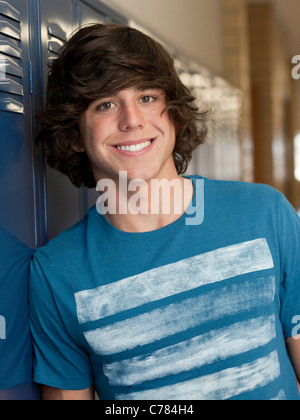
[190, 311]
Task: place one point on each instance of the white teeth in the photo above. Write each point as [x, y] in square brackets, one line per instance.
[135, 147]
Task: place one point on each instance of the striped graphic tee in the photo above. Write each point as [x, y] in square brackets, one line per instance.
[183, 313]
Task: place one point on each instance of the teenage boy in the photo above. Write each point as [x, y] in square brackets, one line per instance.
[196, 303]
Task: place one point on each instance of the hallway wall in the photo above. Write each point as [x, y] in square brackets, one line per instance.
[193, 27]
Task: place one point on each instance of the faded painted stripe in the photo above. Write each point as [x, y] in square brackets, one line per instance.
[175, 318]
[162, 282]
[192, 354]
[222, 385]
[280, 396]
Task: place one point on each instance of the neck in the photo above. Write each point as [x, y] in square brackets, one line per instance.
[146, 206]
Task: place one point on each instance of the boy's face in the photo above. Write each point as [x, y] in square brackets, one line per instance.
[128, 132]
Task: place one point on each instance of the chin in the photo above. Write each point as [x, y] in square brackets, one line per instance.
[135, 174]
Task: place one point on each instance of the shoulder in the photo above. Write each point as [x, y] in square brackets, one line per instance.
[65, 247]
[56, 268]
[238, 190]
[243, 199]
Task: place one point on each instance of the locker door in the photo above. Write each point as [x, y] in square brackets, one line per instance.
[65, 203]
[94, 11]
[17, 203]
[16, 181]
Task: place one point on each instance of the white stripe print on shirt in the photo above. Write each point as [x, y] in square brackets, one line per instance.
[192, 351]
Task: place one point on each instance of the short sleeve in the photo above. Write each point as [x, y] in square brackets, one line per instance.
[15, 340]
[290, 268]
[59, 360]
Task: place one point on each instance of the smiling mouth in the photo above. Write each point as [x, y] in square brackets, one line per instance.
[135, 147]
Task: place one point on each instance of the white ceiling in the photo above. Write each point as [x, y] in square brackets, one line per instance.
[288, 15]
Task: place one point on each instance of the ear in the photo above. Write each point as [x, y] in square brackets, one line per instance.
[78, 148]
[77, 145]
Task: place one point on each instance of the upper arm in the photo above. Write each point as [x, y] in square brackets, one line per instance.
[293, 346]
[55, 394]
[61, 358]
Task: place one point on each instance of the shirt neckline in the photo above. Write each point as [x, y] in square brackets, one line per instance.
[155, 234]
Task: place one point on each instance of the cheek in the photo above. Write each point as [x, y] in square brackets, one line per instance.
[93, 137]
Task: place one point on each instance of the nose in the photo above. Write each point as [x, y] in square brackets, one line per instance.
[131, 117]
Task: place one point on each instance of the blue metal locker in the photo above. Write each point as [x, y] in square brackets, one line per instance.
[17, 205]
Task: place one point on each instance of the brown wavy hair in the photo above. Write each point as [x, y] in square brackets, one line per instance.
[98, 61]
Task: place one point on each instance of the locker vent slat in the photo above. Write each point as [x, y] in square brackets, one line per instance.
[11, 65]
[56, 39]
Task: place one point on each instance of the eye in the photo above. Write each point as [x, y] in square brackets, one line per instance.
[107, 106]
[147, 99]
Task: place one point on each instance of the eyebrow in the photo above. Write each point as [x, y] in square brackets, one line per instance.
[142, 88]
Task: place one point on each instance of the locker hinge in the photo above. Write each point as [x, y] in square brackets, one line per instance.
[30, 73]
